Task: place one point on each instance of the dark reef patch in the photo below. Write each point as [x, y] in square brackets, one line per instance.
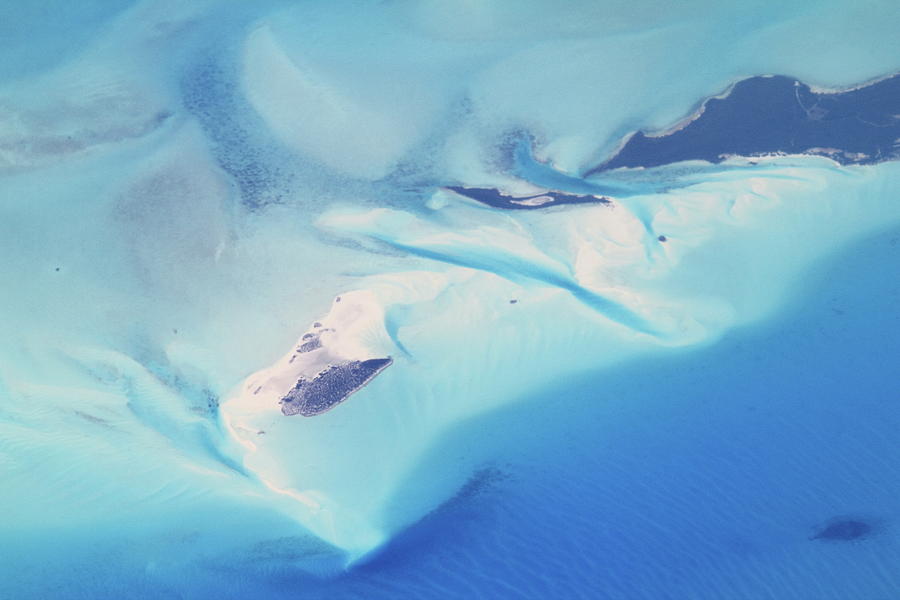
[330, 387]
[844, 530]
[779, 115]
[497, 199]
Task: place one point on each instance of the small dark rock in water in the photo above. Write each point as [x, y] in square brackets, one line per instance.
[513, 301]
[338, 299]
[662, 238]
[57, 268]
[843, 530]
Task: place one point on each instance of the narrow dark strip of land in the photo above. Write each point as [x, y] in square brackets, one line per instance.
[498, 199]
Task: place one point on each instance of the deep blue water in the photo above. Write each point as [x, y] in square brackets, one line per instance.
[700, 474]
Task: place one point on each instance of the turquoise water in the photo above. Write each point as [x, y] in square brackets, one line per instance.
[35, 36]
[576, 407]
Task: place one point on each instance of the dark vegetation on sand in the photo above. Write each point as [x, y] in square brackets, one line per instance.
[332, 386]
